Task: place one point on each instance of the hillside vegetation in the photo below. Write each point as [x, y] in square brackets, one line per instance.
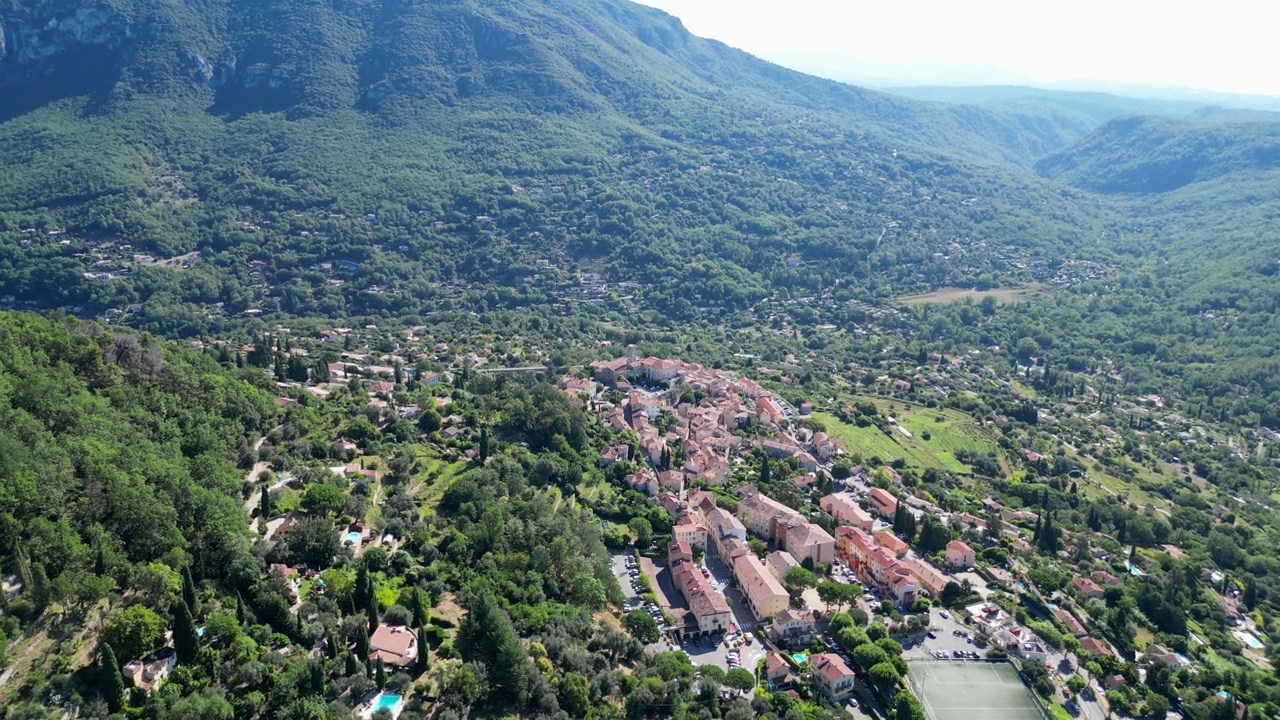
[1143, 155]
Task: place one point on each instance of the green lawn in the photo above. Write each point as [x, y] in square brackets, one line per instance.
[866, 441]
[444, 473]
[956, 431]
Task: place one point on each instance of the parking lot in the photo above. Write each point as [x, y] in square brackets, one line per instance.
[947, 640]
[624, 579]
[627, 578]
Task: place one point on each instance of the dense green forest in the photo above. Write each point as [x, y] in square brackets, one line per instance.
[1143, 155]
[456, 156]
[548, 182]
[123, 517]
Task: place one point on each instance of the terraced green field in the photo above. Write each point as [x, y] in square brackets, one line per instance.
[949, 431]
[444, 473]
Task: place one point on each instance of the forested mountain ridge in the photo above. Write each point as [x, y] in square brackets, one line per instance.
[1144, 155]
[105, 455]
[311, 58]
[486, 137]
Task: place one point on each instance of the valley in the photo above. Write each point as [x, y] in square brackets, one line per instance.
[539, 358]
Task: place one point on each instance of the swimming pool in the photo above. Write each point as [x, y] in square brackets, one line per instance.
[800, 658]
[353, 537]
[387, 702]
[1248, 639]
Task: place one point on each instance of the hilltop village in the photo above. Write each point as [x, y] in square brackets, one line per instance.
[704, 444]
[822, 529]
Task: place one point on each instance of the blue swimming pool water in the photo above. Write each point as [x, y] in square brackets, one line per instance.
[353, 537]
[800, 658]
[387, 702]
[1250, 640]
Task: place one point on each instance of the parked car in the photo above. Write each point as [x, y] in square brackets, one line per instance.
[932, 635]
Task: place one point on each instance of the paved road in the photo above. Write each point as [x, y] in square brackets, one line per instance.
[741, 612]
[255, 497]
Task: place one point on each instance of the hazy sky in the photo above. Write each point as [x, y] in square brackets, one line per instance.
[1224, 45]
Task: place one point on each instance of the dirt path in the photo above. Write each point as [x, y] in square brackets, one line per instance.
[259, 467]
[32, 647]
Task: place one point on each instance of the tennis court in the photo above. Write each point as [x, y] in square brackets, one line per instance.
[957, 690]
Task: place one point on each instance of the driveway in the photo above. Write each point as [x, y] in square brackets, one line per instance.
[979, 585]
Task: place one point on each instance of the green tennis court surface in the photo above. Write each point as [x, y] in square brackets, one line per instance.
[954, 690]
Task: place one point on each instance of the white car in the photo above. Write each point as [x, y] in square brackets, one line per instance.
[944, 614]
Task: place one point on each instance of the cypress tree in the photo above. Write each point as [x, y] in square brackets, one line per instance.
[419, 608]
[185, 639]
[40, 589]
[351, 665]
[264, 504]
[765, 472]
[362, 643]
[188, 589]
[331, 644]
[100, 562]
[424, 652]
[484, 443]
[380, 677]
[317, 679]
[373, 616]
[24, 567]
[112, 681]
[358, 597]
[1035, 536]
[241, 615]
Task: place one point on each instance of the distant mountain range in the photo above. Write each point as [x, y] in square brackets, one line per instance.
[308, 133]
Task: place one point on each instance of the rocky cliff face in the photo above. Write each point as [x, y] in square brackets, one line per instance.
[29, 41]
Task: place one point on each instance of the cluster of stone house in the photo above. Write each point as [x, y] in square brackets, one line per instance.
[770, 520]
[877, 565]
[708, 612]
[702, 434]
[700, 523]
[827, 671]
[1003, 631]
